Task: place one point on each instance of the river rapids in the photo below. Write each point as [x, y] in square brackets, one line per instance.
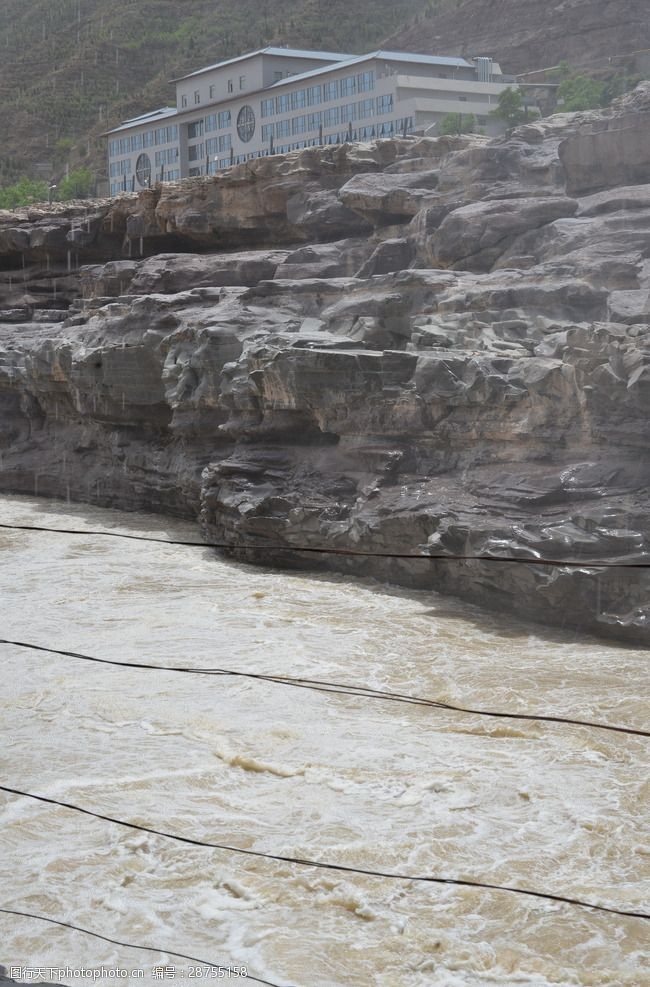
[363, 782]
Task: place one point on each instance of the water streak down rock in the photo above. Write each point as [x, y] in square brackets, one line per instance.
[422, 345]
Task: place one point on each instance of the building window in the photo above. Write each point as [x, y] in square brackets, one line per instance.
[331, 117]
[246, 124]
[224, 163]
[211, 123]
[314, 120]
[348, 112]
[136, 142]
[331, 90]
[298, 99]
[196, 152]
[299, 125]
[277, 76]
[283, 128]
[365, 82]
[366, 108]
[268, 107]
[463, 99]
[242, 81]
[212, 91]
[267, 132]
[211, 147]
[195, 172]
[165, 135]
[384, 104]
[197, 97]
[224, 119]
[184, 101]
[385, 129]
[348, 85]
[231, 86]
[143, 170]
[314, 95]
[195, 129]
[283, 104]
[148, 139]
[169, 156]
[225, 143]
[404, 124]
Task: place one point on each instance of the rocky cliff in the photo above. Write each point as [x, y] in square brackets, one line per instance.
[422, 345]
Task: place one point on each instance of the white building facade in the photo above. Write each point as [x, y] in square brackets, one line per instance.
[278, 99]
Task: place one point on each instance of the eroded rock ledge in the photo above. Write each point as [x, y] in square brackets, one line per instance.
[403, 346]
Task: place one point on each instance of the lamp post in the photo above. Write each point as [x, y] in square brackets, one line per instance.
[50, 193]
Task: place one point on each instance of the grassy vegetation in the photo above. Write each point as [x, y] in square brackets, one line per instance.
[458, 123]
[23, 193]
[78, 184]
[581, 92]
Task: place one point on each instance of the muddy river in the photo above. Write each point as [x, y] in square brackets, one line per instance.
[367, 783]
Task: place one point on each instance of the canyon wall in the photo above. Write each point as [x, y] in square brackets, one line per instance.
[436, 346]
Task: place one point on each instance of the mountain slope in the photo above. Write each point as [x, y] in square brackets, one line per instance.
[72, 68]
[529, 34]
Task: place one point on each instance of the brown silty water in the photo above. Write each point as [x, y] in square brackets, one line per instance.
[366, 783]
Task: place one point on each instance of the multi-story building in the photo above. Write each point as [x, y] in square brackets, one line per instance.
[280, 99]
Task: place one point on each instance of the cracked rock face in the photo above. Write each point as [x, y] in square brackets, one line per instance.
[401, 347]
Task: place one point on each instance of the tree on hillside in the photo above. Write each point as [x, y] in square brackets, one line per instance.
[511, 109]
[78, 185]
[580, 93]
[457, 123]
[23, 193]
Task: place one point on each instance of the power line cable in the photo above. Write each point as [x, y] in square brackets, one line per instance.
[348, 552]
[128, 945]
[335, 688]
[323, 865]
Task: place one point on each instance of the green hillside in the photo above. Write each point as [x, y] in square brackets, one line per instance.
[73, 68]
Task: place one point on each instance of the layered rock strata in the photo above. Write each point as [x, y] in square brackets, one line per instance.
[436, 346]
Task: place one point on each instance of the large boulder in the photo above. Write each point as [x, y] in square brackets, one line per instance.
[610, 152]
[475, 236]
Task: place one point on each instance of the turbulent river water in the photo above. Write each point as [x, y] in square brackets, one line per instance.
[262, 766]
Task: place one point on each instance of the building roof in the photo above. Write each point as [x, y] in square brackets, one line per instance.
[154, 115]
[325, 56]
[390, 56]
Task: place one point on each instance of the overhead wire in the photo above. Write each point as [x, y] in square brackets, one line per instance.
[129, 945]
[317, 685]
[325, 865]
[333, 688]
[347, 552]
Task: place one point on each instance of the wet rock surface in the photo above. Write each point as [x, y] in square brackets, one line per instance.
[401, 347]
